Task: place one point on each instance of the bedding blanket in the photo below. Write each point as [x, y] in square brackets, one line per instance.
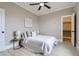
[45, 43]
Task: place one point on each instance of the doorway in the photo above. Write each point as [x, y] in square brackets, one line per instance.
[68, 29]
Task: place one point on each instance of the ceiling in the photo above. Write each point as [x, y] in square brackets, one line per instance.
[55, 6]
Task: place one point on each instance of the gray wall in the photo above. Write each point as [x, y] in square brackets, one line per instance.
[50, 24]
[15, 16]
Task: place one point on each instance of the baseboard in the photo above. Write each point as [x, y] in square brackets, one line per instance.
[77, 47]
[59, 40]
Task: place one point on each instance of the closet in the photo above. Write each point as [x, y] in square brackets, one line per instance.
[67, 29]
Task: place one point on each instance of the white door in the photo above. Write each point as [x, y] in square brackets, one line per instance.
[72, 29]
[2, 29]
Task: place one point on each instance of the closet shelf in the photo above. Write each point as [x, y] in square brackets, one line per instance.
[67, 37]
[66, 30]
[66, 22]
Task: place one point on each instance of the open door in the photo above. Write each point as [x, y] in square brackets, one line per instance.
[73, 30]
[2, 29]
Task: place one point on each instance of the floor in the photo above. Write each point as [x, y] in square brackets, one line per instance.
[67, 40]
[62, 49]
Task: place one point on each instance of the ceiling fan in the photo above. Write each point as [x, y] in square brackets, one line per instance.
[41, 4]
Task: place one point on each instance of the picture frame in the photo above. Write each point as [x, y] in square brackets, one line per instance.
[28, 22]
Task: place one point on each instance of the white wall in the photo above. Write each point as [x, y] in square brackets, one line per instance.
[15, 17]
[50, 24]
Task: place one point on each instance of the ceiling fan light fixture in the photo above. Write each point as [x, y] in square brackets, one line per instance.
[41, 4]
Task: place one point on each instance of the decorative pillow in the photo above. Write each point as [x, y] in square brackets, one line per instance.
[29, 33]
[23, 35]
[37, 33]
[34, 34]
[26, 33]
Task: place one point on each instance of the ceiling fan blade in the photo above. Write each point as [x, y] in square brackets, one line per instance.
[47, 6]
[34, 4]
[39, 8]
[45, 2]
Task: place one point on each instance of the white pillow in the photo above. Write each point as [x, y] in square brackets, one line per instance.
[34, 34]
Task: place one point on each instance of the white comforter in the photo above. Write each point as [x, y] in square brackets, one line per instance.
[46, 43]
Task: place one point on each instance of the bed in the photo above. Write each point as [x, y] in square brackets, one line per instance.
[41, 43]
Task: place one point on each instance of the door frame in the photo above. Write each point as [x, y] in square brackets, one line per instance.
[62, 26]
[75, 28]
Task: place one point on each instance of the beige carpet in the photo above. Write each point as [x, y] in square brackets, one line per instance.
[62, 49]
